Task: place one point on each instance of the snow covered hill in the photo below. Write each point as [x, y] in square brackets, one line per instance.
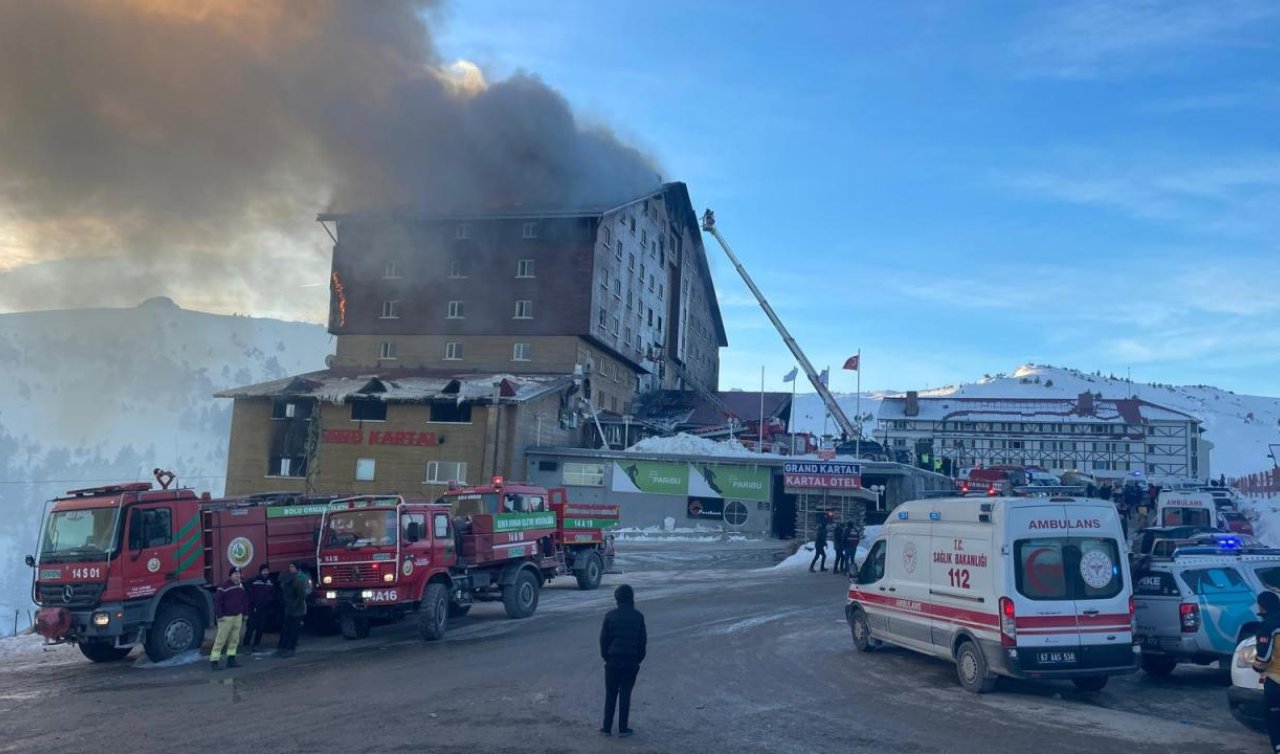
[1239, 426]
[93, 396]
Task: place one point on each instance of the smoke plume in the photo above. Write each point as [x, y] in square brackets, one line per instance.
[183, 148]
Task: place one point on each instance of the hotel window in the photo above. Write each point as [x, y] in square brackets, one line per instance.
[443, 472]
[391, 270]
[607, 235]
[455, 269]
[604, 279]
[631, 261]
[390, 310]
[583, 475]
[450, 412]
[615, 325]
[524, 268]
[529, 230]
[453, 351]
[617, 288]
[520, 352]
[365, 468]
[524, 309]
[455, 310]
[603, 319]
[462, 230]
[617, 250]
[387, 351]
[644, 239]
[368, 411]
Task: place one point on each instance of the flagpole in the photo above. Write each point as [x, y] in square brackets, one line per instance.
[857, 444]
[761, 446]
[826, 417]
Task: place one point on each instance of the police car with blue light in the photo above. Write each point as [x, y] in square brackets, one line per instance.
[1198, 605]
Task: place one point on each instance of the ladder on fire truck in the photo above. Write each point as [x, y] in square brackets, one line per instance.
[847, 427]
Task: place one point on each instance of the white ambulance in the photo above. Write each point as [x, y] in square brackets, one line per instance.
[1021, 587]
[1182, 508]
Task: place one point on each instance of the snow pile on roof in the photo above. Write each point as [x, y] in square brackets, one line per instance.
[689, 445]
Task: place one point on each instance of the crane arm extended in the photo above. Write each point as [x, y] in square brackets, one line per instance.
[846, 426]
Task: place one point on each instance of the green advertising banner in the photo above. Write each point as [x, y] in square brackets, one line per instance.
[520, 521]
[738, 482]
[651, 476]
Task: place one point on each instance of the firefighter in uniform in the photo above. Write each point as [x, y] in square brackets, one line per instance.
[1268, 661]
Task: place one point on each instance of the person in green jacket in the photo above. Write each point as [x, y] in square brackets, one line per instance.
[295, 585]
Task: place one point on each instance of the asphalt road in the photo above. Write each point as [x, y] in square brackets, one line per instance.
[739, 661]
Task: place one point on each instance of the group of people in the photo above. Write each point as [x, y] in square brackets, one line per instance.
[1134, 503]
[844, 543]
[246, 611]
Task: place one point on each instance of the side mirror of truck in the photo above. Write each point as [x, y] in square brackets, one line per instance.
[30, 561]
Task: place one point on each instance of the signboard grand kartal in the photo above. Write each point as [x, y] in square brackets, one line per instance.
[822, 475]
[701, 480]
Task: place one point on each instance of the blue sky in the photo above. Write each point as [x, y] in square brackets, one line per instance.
[954, 188]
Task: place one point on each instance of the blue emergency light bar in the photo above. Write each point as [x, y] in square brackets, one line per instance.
[902, 515]
[935, 516]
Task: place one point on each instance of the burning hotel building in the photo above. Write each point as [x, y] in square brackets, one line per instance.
[464, 339]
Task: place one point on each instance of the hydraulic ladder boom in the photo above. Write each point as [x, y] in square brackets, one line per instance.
[846, 426]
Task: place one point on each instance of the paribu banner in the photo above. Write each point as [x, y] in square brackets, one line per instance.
[701, 480]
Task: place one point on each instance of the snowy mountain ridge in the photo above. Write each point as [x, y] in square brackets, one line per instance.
[1240, 426]
[95, 396]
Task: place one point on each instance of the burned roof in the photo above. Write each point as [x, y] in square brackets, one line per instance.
[403, 386]
[684, 409]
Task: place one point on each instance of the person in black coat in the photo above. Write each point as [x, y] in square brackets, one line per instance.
[622, 646]
[819, 546]
[837, 544]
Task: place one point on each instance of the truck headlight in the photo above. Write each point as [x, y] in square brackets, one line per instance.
[327, 580]
[331, 595]
[367, 594]
[388, 577]
[1246, 656]
[101, 619]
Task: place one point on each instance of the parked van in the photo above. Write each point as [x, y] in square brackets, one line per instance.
[1020, 587]
[1181, 508]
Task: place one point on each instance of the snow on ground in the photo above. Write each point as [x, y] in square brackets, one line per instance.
[802, 557]
[679, 534]
[1264, 513]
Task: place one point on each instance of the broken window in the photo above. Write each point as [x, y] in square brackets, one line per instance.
[449, 412]
[288, 466]
[291, 410]
[368, 411]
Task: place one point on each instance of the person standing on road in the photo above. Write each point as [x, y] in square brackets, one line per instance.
[293, 589]
[623, 641]
[262, 600]
[820, 545]
[850, 545]
[1267, 662]
[837, 546]
[230, 606]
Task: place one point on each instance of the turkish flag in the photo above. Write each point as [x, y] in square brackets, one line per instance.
[851, 363]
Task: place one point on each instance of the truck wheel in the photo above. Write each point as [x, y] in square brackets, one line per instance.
[176, 629]
[1091, 682]
[101, 651]
[354, 626]
[1159, 667]
[591, 573]
[861, 632]
[458, 611]
[433, 615]
[971, 668]
[521, 598]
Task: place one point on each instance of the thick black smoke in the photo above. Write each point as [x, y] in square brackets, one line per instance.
[184, 148]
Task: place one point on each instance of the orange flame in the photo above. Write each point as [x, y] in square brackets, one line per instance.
[342, 299]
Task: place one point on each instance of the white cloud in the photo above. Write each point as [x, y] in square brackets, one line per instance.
[1101, 38]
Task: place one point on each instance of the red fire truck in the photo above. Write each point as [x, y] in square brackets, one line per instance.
[383, 558]
[127, 565]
